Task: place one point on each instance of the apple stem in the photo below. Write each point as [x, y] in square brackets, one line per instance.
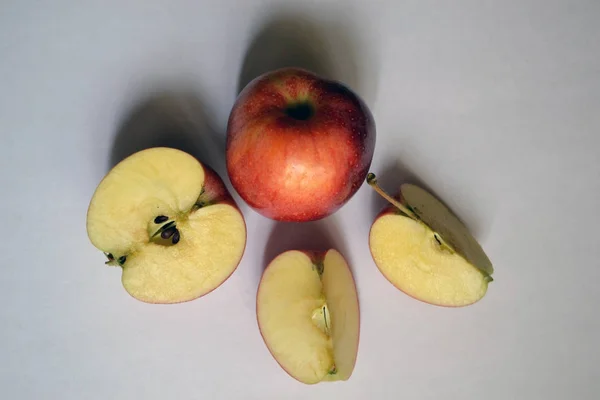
[372, 181]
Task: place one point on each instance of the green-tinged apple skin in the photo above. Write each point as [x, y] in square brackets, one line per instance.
[298, 146]
[208, 192]
[315, 257]
[387, 210]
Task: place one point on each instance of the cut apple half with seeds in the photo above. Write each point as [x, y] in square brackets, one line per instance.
[308, 315]
[169, 222]
[423, 249]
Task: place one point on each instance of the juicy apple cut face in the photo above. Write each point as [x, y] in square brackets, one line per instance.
[409, 255]
[170, 223]
[427, 252]
[308, 315]
[298, 146]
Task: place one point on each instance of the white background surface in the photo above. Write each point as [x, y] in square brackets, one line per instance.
[494, 105]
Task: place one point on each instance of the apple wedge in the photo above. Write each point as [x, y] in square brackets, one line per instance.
[308, 315]
[169, 223]
[424, 250]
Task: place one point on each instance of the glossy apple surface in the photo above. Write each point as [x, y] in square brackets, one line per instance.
[298, 146]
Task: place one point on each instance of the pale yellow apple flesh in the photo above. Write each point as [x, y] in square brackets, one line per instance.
[171, 183]
[308, 315]
[410, 257]
[423, 249]
[441, 220]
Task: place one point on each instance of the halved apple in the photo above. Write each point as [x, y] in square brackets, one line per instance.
[308, 315]
[169, 222]
[423, 249]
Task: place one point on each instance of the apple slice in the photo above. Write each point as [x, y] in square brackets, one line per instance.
[169, 223]
[308, 315]
[423, 249]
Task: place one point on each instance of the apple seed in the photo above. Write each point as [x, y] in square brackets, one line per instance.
[160, 219]
[176, 237]
[372, 181]
[168, 230]
[163, 228]
[167, 233]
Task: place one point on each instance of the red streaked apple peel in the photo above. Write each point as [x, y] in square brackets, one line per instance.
[423, 249]
[298, 146]
[170, 223]
[308, 315]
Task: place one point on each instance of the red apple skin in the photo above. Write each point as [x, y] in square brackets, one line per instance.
[315, 257]
[298, 170]
[215, 190]
[393, 210]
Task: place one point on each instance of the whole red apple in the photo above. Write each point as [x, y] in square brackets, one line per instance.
[298, 146]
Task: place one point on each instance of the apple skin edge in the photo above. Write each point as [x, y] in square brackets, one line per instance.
[329, 153]
[214, 191]
[390, 209]
[315, 257]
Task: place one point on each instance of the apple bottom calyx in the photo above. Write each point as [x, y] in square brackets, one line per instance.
[115, 262]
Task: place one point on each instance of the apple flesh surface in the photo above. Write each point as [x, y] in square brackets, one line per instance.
[308, 314]
[298, 146]
[432, 258]
[169, 223]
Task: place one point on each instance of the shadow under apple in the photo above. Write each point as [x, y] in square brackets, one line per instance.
[397, 173]
[329, 48]
[319, 235]
[170, 119]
